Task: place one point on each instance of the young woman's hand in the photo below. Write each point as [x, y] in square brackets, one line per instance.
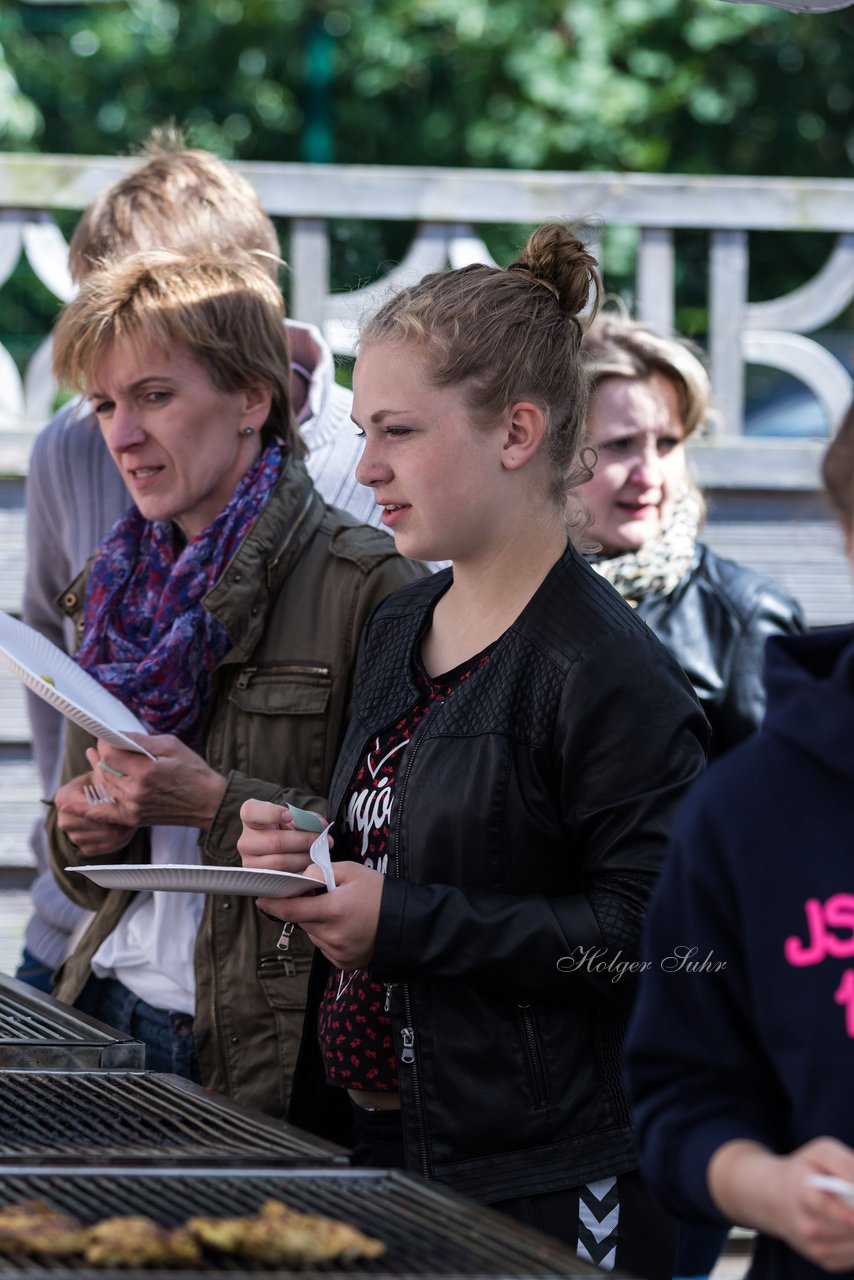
[772, 1193]
[342, 924]
[270, 841]
[177, 789]
[96, 837]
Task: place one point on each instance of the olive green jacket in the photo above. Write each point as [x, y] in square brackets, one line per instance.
[294, 599]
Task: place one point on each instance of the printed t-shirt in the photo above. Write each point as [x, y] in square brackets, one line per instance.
[353, 1024]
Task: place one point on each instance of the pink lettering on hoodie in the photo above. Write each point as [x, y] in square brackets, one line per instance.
[830, 932]
[837, 913]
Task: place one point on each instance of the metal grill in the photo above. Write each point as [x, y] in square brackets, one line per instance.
[38, 1034]
[74, 1117]
[427, 1232]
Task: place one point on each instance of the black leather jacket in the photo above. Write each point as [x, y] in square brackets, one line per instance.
[529, 823]
[715, 624]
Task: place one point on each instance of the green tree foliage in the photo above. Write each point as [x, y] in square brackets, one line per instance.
[692, 86]
[695, 86]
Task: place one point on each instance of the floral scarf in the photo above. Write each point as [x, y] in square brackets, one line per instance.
[662, 564]
[147, 637]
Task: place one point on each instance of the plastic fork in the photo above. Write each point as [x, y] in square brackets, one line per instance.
[319, 854]
[96, 794]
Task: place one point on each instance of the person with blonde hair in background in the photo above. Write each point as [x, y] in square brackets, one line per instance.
[224, 609]
[502, 798]
[174, 197]
[650, 394]
[740, 1057]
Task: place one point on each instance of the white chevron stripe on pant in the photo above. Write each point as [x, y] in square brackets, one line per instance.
[598, 1221]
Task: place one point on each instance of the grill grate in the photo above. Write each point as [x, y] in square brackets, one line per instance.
[77, 1116]
[38, 1033]
[428, 1232]
[27, 1023]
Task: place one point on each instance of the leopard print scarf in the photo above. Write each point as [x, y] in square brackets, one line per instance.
[662, 564]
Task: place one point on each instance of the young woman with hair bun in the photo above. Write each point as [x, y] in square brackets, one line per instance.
[501, 801]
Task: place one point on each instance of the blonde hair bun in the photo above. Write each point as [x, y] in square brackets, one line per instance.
[557, 259]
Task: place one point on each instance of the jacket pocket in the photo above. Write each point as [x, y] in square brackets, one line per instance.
[284, 982]
[281, 718]
[534, 1055]
[296, 688]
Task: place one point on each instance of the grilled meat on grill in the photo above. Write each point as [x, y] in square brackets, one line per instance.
[139, 1242]
[280, 1236]
[276, 1236]
[35, 1227]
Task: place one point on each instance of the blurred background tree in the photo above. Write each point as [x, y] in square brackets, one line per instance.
[690, 86]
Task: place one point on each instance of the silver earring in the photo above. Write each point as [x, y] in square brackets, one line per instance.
[248, 431]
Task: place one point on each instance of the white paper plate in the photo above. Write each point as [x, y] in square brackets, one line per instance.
[245, 881]
[32, 657]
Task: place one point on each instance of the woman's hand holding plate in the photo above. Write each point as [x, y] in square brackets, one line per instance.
[271, 841]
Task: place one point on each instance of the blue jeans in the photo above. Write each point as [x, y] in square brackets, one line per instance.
[34, 973]
[168, 1037]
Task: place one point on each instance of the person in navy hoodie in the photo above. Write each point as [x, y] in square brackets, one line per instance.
[740, 1056]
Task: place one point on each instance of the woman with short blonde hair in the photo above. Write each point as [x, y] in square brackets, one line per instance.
[213, 611]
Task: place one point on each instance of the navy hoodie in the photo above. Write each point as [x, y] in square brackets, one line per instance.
[744, 1021]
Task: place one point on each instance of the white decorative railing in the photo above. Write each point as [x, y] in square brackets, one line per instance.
[27, 404]
[446, 204]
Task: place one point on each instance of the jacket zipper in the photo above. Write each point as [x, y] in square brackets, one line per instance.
[407, 1055]
[242, 681]
[535, 1057]
[215, 1025]
[408, 1060]
[289, 537]
[274, 965]
[287, 669]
